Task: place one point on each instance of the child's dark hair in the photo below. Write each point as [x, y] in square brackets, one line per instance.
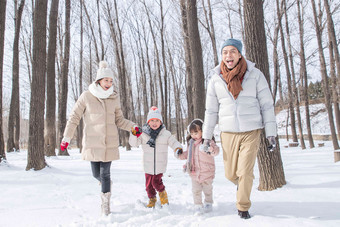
[195, 126]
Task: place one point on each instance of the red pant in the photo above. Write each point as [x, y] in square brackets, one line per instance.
[153, 183]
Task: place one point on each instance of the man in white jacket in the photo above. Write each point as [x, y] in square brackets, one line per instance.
[239, 100]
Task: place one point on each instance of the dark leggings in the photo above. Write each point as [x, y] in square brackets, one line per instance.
[101, 171]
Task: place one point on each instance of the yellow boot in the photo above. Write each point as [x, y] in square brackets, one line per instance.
[152, 202]
[163, 196]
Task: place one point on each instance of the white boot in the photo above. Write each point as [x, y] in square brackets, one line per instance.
[106, 203]
[207, 207]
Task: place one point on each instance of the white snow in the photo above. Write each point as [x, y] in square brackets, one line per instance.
[66, 194]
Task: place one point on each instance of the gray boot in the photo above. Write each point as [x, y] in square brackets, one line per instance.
[106, 203]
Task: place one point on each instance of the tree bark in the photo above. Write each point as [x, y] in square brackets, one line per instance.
[2, 42]
[188, 71]
[80, 126]
[14, 111]
[50, 132]
[211, 29]
[270, 163]
[325, 82]
[62, 102]
[303, 75]
[196, 60]
[35, 154]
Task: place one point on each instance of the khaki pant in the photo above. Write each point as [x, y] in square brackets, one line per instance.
[197, 189]
[239, 155]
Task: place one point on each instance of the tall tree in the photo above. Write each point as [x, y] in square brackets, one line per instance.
[14, 111]
[50, 132]
[333, 39]
[325, 83]
[196, 60]
[2, 41]
[270, 163]
[188, 69]
[166, 95]
[303, 74]
[81, 123]
[35, 154]
[62, 99]
[288, 74]
[295, 91]
[211, 29]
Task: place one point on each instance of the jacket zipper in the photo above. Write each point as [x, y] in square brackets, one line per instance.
[154, 160]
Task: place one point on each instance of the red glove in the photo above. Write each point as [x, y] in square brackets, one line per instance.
[63, 145]
[136, 131]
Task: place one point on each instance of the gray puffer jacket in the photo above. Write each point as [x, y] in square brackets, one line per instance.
[253, 108]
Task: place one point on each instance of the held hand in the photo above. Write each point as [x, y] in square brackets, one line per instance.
[205, 146]
[272, 143]
[63, 145]
[136, 131]
[178, 152]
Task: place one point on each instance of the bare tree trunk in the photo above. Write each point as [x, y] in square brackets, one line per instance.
[80, 126]
[2, 42]
[157, 59]
[270, 163]
[92, 32]
[166, 101]
[303, 75]
[14, 111]
[50, 132]
[196, 60]
[333, 52]
[325, 83]
[188, 71]
[62, 102]
[295, 91]
[289, 80]
[211, 30]
[35, 154]
[334, 86]
[332, 37]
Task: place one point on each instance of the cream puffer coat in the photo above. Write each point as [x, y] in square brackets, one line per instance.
[102, 118]
[203, 163]
[155, 160]
[253, 108]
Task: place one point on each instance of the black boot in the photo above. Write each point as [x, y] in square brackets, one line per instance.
[244, 214]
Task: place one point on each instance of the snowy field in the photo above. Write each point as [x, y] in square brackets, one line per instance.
[65, 194]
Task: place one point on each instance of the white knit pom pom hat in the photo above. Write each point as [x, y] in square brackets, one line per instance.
[154, 113]
[103, 71]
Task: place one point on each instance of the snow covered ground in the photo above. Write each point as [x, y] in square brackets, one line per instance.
[65, 194]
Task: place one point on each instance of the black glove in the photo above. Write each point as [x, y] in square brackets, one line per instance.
[272, 143]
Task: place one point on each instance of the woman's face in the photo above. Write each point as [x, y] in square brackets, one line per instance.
[106, 83]
[230, 56]
[155, 123]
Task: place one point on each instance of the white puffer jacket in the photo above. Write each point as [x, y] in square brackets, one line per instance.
[253, 108]
[155, 160]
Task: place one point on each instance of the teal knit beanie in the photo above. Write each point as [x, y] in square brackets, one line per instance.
[233, 42]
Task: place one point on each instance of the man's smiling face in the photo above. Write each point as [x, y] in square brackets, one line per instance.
[230, 56]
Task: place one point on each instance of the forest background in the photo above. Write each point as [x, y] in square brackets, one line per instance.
[162, 53]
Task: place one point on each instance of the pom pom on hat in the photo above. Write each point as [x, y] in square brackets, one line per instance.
[233, 42]
[103, 71]
[154, 113]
